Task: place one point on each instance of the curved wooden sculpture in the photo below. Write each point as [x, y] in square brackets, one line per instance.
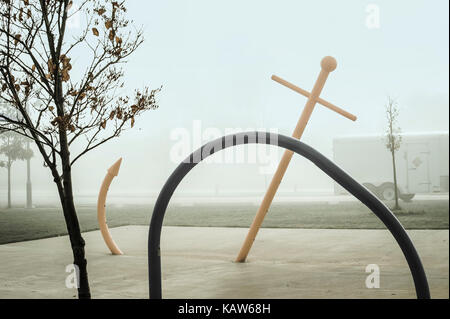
[327, 166]
[113, 171]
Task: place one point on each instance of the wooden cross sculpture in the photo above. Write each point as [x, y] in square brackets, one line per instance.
[328, 65]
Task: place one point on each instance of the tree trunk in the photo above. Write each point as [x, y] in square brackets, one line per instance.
[9, 164]
[70, 215]
[72, 223]
[73, 226]
[77, 243]
[395, 181]
[76, 240]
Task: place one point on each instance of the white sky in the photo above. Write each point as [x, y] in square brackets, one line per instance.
[215, 58]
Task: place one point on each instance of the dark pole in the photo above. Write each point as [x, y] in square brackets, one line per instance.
[29, 188]
[9, 182]
[395, 180]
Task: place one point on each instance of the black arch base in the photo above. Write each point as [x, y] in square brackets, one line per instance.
[336, 173]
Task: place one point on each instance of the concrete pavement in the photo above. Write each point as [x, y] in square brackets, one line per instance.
[198, 263]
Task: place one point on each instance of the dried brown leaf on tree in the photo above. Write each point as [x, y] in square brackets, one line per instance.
[100, 11]
[65, 75]
[57, 120]
[51, 66]
[66, 67]
[119, 114]
[118, 52]
[17, 38]
[95, 32]
[73, 93]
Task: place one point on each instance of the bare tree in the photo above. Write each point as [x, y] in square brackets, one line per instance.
[53, 108]
[393, 139]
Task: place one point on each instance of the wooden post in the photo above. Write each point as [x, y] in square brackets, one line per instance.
[328, 64]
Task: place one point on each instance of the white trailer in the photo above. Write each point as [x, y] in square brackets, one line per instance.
[422, 163]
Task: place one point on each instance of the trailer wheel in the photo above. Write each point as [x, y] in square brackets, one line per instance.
[407, 198]
[387, 191]
[372, 188]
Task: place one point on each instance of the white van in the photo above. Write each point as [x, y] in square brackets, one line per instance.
[422, 163]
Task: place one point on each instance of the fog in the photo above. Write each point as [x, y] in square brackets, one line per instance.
[214, 60]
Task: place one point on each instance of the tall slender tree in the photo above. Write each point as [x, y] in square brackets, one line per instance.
[83, 106]
[13, 147]
[393, 140]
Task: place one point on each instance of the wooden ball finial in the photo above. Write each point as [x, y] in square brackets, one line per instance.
[328, 64]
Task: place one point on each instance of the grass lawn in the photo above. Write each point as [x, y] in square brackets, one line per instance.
[20, 224]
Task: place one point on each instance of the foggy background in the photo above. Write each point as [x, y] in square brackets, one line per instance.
[215, 59]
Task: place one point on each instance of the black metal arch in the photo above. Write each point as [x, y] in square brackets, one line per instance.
[331, 169]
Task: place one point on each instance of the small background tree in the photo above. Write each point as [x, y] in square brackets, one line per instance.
[66, 113]
[13, 147]
[393, 140]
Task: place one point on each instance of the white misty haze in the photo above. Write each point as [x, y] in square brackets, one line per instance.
[215, 58]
